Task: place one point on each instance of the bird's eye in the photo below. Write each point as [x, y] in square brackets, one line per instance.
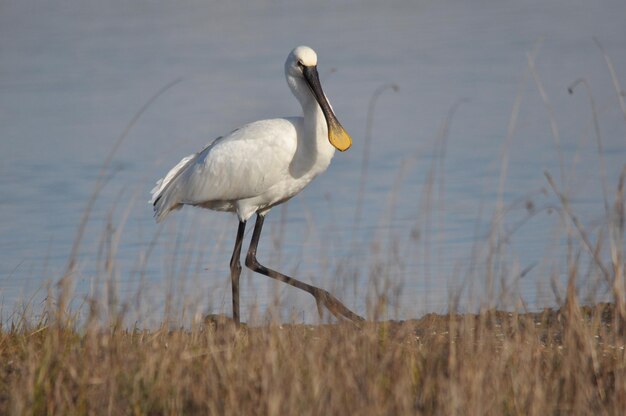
[300, 65]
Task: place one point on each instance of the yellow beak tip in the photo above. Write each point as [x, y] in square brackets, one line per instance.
[340, 140]
[344, 148]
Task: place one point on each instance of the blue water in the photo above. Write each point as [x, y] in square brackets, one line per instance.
[73, 74]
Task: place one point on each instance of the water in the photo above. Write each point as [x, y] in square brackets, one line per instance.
[74, 73]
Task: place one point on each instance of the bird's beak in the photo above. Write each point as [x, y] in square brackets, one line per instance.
[337, 136]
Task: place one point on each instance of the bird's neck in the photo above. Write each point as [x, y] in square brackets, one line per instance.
[316, 129]
[314, 151]
[314, 120]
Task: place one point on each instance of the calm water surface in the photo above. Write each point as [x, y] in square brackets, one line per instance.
[72, 75]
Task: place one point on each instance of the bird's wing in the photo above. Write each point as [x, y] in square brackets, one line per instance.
[241, 165]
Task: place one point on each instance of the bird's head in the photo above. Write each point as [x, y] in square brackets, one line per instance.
[302, 64]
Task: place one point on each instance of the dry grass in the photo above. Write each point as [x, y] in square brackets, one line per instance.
[568, 361]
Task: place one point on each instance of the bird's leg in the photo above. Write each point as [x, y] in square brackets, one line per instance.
[322, 297]
[235, 270]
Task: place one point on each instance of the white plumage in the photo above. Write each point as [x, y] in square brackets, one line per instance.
[256, 166]
[260, 165]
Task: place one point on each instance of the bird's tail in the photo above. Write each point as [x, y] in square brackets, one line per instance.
[165, 195]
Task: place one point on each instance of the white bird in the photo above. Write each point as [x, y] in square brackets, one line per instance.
[260, 165]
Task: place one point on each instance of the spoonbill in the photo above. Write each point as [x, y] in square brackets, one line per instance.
[259, 166]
